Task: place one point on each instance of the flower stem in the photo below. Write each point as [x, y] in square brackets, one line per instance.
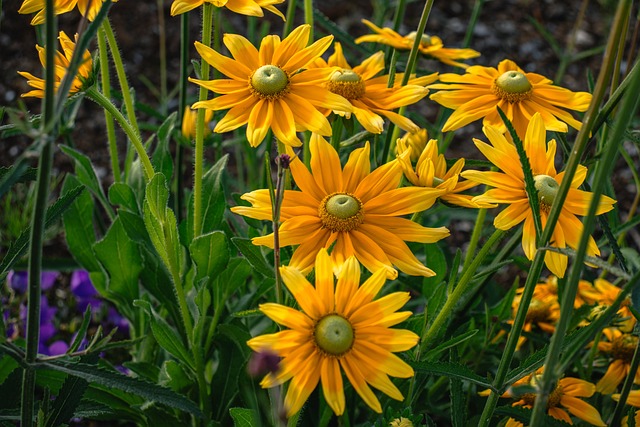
[182, 106]
[106, 90]
[122, 76]
[308, 18]
[45, 162]
[475, 236]
[134, 137]
[198, 165]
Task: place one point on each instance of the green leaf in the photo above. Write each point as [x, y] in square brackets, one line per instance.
[53, 213]
[121, 259]
[451, 370]
[234, 276]
[450, 343]
[161, 159]
[66, 401]
[253, 254]
[458, 407]
[173, 376]
[122, 194]
[437, 262]
[166, 336]
[243, 417]
[7, 366]
[28, 175]
[156, 279]
[85, 171]
[79, 227]
[137, 386]
[210, 252]
[82, 331]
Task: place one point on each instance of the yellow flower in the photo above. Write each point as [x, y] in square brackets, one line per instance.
[431, 171]
[88, 8]
[369, 95]
[604, 293]
[339, 328]
[356, 211]
[620, 346]
[633, 399]
[243, 7]
[510, 189]
[567, 394]
[271, 88]
[416, 140]
[189, 123]
[477, 93]
[429, 45]
[401, 422]
[62, 64]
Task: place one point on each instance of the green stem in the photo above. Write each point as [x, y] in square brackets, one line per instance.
[45, 162]
[460, 289]
[198, 165]
[184, 66]
[308, 18]
[336, 133]
[604, 167]
[290, 16]
[473, 20]
[122, 76]
[163, 56]
[106, 90]
[134, 137]
[475, 237]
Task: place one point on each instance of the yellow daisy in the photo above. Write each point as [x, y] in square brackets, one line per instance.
[633, 399]
[356, 211]
[604, 293]
[189, 123]
[88, 8]
[339, 328]
[429, 45]
[416, 140]
[620, 346]
[242, 7]
[565, 397]
[510, 189]
[62, 60]
[369, 95]
[477, 93]
[431, 171]
[270, 88]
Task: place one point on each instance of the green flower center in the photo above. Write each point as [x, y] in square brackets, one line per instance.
[334, 335]
[424, 39]
[347, 83]
[513, 87]
[547, 189]
[341, 212]
[269, 81]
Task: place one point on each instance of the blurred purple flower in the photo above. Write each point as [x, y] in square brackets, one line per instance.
[114, 318]
[18, 280]
[84, 291]
[57, 347]
[47, 314]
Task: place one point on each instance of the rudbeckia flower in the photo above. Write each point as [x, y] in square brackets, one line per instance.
[369, 95]
[62, 60]
[633, 399]
[431, 171]
[510, 189]
[604, 293]
[476, 94]
[340, 328]
[189, 123]
[429, 45]
[270, 88]
[565, 397]
[416, 140]
[356, 211]
[242, 7]
[88, 8]
[620, 346]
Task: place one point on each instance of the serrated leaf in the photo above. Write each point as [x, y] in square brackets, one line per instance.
[97, 375]
[452, 370]
[82, 331]
[210, 252]
[253, 254]
[243, 417]
[79, 227]
[452, 342]
[121, 259]
[122, 194]
[18, 247]
[66, 401]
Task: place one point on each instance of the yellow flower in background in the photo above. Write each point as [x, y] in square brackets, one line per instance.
[369, 95]
[242, 7]
[431, 171]
[565, 397]
[416, 140]
[354, 211]
[633, 399]
[429, 45]
[510, 189]
[62, 60]
[620, 346]
[340, 328]
[88, 8]
[270, 88]
[604, 293]
[476, 94]
[189, 123]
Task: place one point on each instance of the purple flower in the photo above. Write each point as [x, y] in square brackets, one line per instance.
[19, 280]
[47, 314]
[57, 347]
[114, 318]
[81, 285]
